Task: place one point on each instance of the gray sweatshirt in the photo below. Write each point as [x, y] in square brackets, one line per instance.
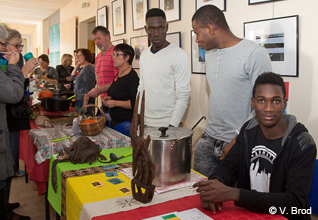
[231, 73]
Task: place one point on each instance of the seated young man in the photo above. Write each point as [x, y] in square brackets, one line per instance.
[272, 160]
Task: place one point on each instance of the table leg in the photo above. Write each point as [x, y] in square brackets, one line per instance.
[26, 175]
[47, 208]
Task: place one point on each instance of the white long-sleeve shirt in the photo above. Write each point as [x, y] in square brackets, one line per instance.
[165, 77]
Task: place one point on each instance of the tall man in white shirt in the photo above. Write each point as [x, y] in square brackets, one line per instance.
[164, 75]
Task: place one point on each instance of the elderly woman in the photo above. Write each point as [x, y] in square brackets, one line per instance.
[122, 92]
[64, 72]
[15, 125]
[46, 74]
[11, 91]
[85, 80]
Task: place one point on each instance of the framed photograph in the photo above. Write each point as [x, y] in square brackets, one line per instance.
[174, 38]
[102, 16]
[252, 2]
[139, 44]
[120, 41]
[221, 4]
[139, 10]
[172, 8]
[197, 56]
[119, 26]
[280, 38]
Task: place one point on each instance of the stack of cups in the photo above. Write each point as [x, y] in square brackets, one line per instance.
[3, 64]
[28, 56]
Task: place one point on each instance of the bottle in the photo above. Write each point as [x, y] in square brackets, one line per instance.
[28, 56]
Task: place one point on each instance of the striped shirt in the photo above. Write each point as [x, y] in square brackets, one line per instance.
[104, 68]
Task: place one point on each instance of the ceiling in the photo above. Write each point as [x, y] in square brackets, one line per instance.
[28, 12]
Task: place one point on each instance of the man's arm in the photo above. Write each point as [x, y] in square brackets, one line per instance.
[182, 87]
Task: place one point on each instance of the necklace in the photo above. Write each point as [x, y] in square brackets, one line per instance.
[121, 73]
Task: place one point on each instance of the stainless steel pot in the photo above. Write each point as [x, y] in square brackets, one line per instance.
[171, 151]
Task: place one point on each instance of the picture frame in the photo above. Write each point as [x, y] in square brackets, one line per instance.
[120, 41]
[172, 8]
[102, 17]
[280, 37]
[221, 4]
[139, 44]
[254, 2]
[139, 10]
[119, 24]
[197, 56]
[174, 38]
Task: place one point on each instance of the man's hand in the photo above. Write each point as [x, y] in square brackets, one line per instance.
[227, 148]
[94, 93]
[213, 191]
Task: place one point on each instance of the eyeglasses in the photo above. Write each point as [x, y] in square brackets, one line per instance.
[16, 45]
[78, 55]
[117, 54]
[3, 44]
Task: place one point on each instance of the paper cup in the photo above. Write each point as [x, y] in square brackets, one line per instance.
[3, 64]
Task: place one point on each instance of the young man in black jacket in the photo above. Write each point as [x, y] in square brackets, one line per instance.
[272, 161]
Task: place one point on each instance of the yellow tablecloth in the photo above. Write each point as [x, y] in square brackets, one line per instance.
[81, 190]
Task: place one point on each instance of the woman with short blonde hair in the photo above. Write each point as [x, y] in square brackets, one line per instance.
[64, 71]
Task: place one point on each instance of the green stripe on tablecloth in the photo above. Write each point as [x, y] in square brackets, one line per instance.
[55, 198]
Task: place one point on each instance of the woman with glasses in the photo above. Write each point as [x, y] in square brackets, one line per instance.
[85, 80]
[11, 91]
[64, 72]
[122, 92]
[15, 125]
[47, 76]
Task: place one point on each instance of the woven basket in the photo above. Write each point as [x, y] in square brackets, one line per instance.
[93, 128]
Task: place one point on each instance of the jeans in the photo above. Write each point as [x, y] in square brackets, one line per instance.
[207, 154]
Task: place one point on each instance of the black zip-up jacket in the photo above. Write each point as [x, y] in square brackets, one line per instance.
[291, 176]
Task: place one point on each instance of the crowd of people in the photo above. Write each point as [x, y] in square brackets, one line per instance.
[253, 153]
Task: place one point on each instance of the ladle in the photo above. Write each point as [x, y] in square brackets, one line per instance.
[113, 156]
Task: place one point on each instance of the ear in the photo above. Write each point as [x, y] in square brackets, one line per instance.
[210, 29]
[253, 102]
[127, 58]
[285, 103]
[167, 27]
[146, 28]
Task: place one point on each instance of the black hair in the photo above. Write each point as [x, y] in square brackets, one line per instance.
[210, 14]
[101, 29]
[269, 78]
[87, 54]
[156, 12]
[44, 58]
[127, 51]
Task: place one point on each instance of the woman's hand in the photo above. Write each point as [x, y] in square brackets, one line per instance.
[108, 102]
[68, 86]
[13, 57]
[68, 78]
[29, 66]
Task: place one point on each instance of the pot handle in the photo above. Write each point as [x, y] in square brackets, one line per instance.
[174, 143]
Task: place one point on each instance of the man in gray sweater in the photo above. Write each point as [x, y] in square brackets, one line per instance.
[232, 66]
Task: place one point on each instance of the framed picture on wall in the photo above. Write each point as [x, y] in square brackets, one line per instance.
[172, 8]
[102, 16]
[118, 8]
[139, 10]
[120, 41]
[221, 4]
[139, 44]
[252, 2]
[280, 38]
[174, 38]
[197, 56]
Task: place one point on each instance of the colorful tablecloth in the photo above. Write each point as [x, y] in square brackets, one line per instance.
[56, 198]
[108, 138]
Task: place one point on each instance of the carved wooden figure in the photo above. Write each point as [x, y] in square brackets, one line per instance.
[143, 165]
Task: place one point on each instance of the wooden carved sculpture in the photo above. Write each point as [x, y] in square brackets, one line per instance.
[143, 166]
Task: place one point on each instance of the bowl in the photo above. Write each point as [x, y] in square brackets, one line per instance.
[58, 127]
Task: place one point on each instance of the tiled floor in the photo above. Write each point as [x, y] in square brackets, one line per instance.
[30, 203]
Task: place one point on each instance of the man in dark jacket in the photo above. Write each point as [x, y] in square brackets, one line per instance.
[272, 161]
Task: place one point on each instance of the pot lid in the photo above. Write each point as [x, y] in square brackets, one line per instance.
[168, 133]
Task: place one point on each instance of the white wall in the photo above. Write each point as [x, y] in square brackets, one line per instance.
[303, 89]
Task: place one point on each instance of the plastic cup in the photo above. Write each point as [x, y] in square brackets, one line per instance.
[3, 64]
[28, 56]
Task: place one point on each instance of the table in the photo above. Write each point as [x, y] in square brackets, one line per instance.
[84, 201]
[37, 157]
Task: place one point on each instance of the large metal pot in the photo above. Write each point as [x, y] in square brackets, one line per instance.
[171, 151]
[55, 103]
